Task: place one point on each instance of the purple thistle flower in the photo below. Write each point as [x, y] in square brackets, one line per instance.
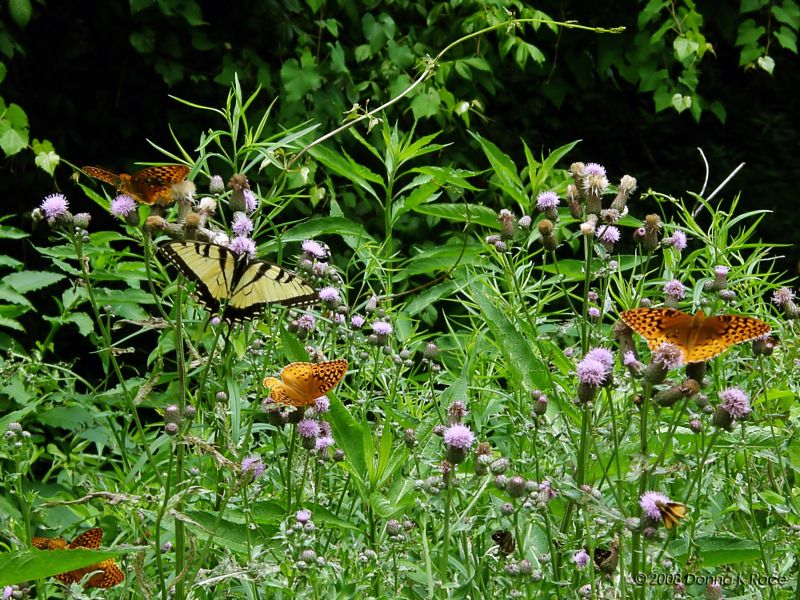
[735, 402]
[253, 465]
[721, 270]
[648, 503]
[601, 355]
[675, 289]
[250, 201]
[595, 169]
[242, 225]
[382, 328]
[324, 442]
[306, 323]
[547, 200]
[630, 360]
[357, 321]
[677, 240]
[320, 268]
[303, 516]
[243, 245]
[524, 222]
[329, 295]
[782, 296]
[591, 372]
[581, 558]
[459, 436]
[608, 234]
[314, 249]
[308, 428]
[55, 205]
[322, 405]
[339, 319]
[669, 355]
[122, 206]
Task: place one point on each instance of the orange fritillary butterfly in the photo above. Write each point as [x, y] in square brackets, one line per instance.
[698, 337]
[146, 186]
[671, 512]
[304, 382]
[109, 573]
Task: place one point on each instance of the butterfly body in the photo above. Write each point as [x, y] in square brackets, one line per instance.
[147, 186]
[698, 337]
[106, 573]
[233, 285]
[302, 382]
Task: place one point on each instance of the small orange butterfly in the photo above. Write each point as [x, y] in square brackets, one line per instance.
[146, 186]
[110, 574]
[304, 382]
[698, 337]
[671, 512]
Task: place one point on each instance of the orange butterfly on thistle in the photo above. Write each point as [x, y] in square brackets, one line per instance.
[147, 186]
[302, 382]
[698, 337]
[106, 573]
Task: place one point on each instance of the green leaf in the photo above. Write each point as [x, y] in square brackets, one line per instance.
[348, 168]
[315, 228]
[766, 63]
[788, 13]
[426, 104]
[749, 33]
[301, 77]
[681, 102]
[786, 38]
[463, 213]
[527, 370]
[12, 141]
[12, 233]
[231, 535]
[68, 417]
[11, 324]
[505, 171]
[3, 72]
[26, 565]
[20, 11]
[442, 257]
[717, 551]
[47, 161]
[29, 281]
[349, 435]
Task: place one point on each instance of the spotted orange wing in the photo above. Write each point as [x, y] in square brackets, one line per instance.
[109, 573]
[698, 337]
[301, 382]
[147, 186]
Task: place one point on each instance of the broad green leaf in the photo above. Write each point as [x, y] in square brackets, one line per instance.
[12, 233]
[441, 257]
[319, 226]
[29, 281]
[718, 551]
[27, 565]
[767, 63]
[349, 435]
[203, 524]
[463, 213]
[520, 360]
[426, 104]
[505, 171]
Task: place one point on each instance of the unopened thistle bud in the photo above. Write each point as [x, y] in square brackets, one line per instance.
[507, 224]
[573, 202]
[627, 186]
[652, 227]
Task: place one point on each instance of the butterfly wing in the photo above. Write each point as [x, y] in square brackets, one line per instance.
[43, 543]
[154, 183]
[210, 266]
[109, 576]
[659, 325]
[671, 513]
[720, 332]
[261, 283]
[90, 538]
[103, 175]
[504, 540]
[245, 287]
[304, 382]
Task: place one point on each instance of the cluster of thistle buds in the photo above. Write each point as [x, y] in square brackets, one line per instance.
[173, 418]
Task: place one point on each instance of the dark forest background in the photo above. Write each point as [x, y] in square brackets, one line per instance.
[94, 79]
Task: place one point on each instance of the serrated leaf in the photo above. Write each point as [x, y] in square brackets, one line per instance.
[29, 281]
[47, 161]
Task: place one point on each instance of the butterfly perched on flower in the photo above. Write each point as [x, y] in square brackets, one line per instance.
[671, 512]
[234, 286]
[698, 337]
[147, 186]
[302, 382]
[504, 540]
[106, 573]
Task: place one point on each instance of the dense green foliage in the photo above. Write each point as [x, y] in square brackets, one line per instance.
[489, 394]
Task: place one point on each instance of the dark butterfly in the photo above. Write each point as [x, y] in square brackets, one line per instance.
[671, 513]
[504, 540]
